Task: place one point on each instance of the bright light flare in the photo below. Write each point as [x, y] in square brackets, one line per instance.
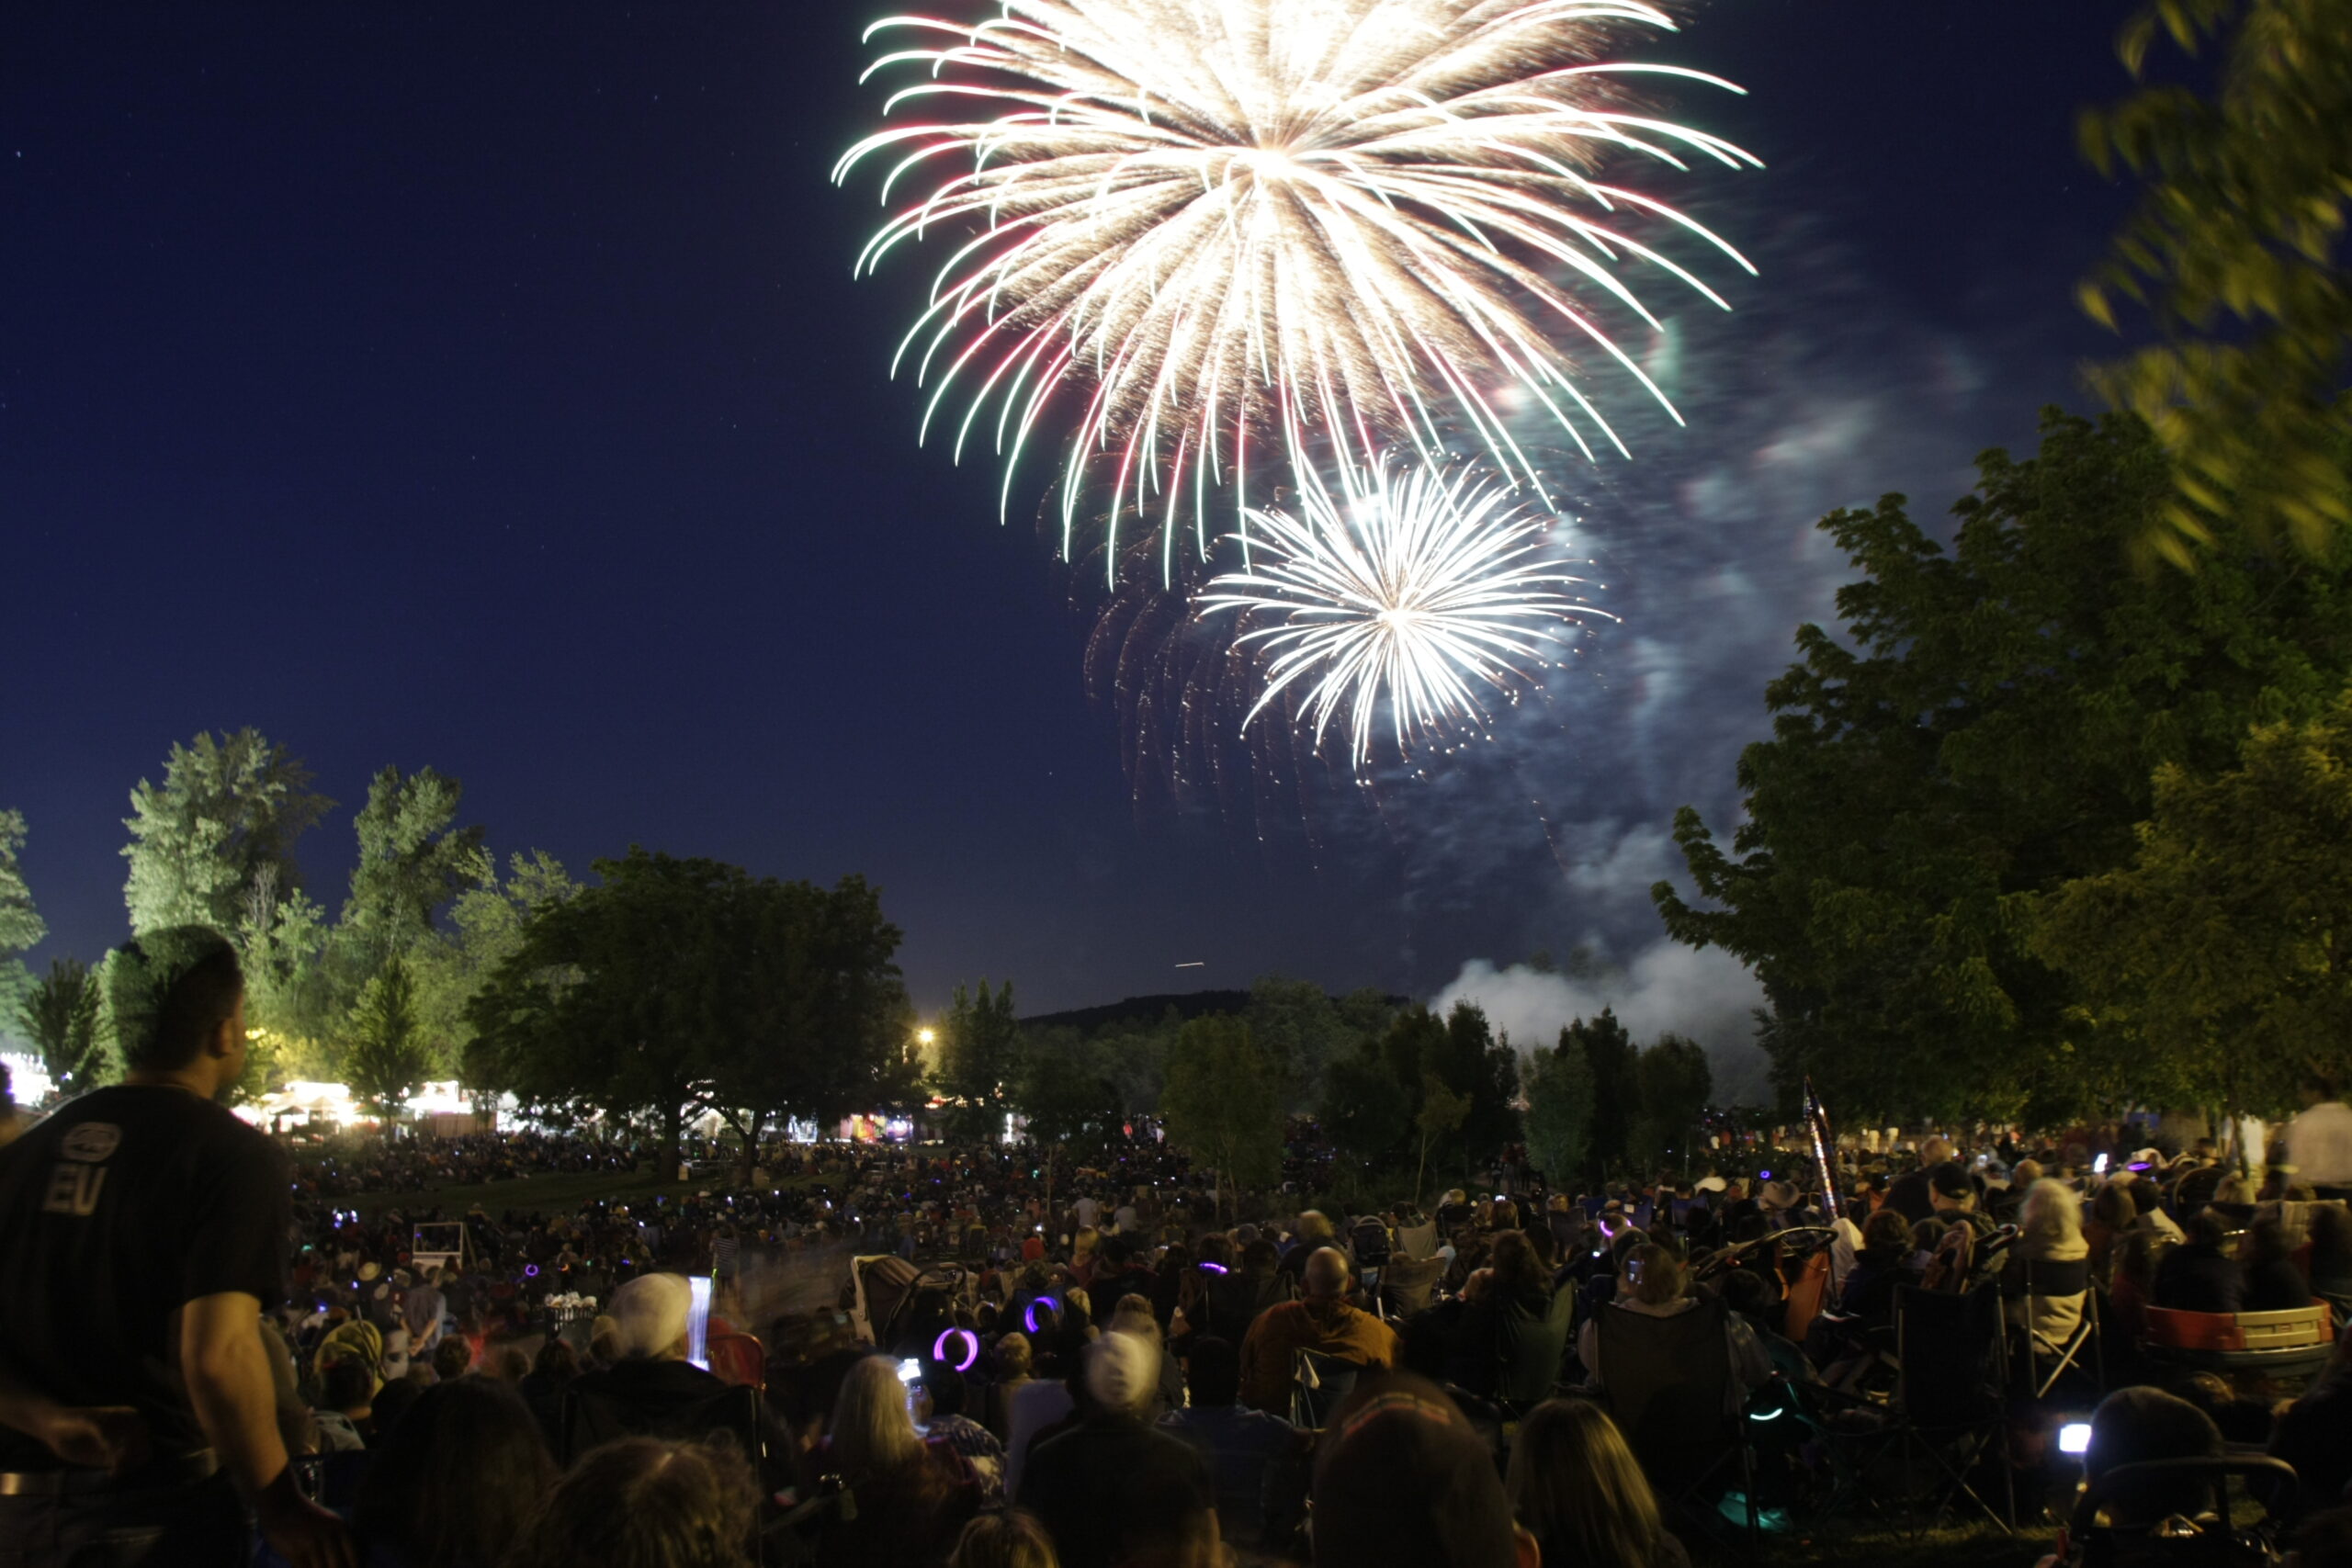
[1227, 223]
[1408, 590]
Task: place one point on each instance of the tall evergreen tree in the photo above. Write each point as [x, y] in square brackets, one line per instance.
[21, 924]
[61, 1015]
[979, 1061]
[387, 1060]
[227, 811]
[1222, 1103]
[1611, 1062]
[1560, 1109]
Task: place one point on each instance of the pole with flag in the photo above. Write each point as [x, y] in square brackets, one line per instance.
[1816, 1127]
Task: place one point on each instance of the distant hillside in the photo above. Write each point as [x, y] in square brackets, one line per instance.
[1143, 1009]
[1150, 1009]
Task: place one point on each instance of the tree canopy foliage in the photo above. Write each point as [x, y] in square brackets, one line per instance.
[387, 1060]
[59, 1013]
[223, 820]
[1984, 727]
[979, 1061]
[1223, 1102]
[22, 926]
[2223, 948]
[678, 985]
[2238, 253]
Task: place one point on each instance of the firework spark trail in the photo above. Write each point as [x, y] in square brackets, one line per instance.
[1227, 223]
[1405, 588]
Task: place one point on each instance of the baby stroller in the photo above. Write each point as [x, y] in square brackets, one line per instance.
[2174, 1513]
[882, 1289]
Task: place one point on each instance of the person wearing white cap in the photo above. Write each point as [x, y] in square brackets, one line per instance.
[652, 1385]
[1113, 1488]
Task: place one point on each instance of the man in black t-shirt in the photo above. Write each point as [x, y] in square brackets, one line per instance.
[142, 1234]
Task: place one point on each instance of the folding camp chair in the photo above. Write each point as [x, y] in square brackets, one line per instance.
[2048, 1280]
[1951, 1392]
[1667, 1383]
[2291, 1347]
[1408, 1284]
[1417, 1241]
[1318, 1382]
[1530, 1350]
[590, 1420]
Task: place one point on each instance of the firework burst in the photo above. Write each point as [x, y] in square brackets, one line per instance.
[1226, 224]
[1408, 592]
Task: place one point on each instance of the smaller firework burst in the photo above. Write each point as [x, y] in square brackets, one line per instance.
[1409, 590]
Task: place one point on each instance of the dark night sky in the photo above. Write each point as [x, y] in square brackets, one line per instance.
[484, 386]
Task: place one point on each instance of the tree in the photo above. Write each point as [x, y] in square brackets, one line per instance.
[290, 999]
[1612, 1060]
[1675, 1083]
[413, 862]
[22, 926]
[2237, 252]
[1485, 1072]
[1442, 1115]
[1068, 1098]
[387, 1060]
[1984, 725]
[1222, 1103]
[980, 1062]
[60, 1016]
[1367, 1111]
[1300, 1028]
[2223, 948]
[484, 929]
[820, 1022]
[1560, 1109]
[679, 985]
[226, 810]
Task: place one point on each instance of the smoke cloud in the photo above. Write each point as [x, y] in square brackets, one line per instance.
[1705, 994]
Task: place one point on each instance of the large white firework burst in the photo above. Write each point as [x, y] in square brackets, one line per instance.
[1227, 223]
[1406, 591]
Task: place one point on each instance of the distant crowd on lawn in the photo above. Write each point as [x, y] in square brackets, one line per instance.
[976, 1355]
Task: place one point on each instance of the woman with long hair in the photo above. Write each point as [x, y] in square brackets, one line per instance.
[644, 1503]
[910, 1498]
[450, 1485]
[2112, 1216]
[1579, 1490]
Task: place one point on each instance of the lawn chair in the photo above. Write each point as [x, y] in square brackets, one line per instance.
[1951, 1392]
[1408, 1284]
[2049, 1280]
[1667, 1383]
[1531, 1350]
[1319, 1383]
[738, 1359]
[1417, 1241]
[2292, 1346]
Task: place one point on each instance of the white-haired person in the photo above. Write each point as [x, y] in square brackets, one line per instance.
[2049, 1230]
[1111, 1488]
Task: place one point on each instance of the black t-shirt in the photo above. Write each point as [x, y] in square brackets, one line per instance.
[115, 1212]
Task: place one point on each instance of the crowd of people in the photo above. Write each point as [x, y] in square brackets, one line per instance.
[980, 1356]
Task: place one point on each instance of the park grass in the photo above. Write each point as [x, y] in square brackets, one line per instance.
[1881, 1546]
